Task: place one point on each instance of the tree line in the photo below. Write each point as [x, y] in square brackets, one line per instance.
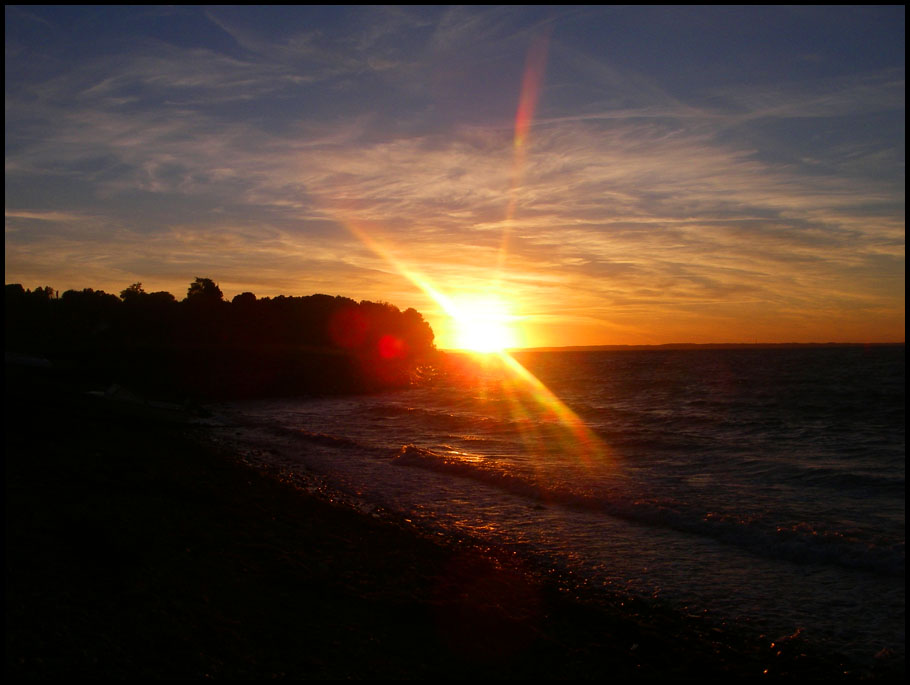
[206, 344]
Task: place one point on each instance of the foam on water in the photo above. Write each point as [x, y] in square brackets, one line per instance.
[764, 486]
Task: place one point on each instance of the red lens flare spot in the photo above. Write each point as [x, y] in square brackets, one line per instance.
[391, 347]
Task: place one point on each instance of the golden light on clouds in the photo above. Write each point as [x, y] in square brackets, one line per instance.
[605, 195]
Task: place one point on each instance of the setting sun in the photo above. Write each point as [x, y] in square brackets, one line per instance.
[483, 324]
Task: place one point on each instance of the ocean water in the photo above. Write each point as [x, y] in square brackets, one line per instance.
[761, 488]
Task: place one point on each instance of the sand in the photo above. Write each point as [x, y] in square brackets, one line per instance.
[136, 549]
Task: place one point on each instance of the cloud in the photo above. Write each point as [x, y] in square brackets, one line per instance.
[43, 216]
[252, 161]
[850, 95]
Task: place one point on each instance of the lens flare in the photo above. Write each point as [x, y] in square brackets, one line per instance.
[535, 64]
[485, 324]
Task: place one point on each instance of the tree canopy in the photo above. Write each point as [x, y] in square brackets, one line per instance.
[204, 290]
[223, 339]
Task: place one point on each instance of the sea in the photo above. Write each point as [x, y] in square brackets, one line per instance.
[760, 488]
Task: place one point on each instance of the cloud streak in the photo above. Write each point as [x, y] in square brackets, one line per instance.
[638, 214]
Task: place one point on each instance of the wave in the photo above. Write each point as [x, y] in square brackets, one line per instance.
[429, 419]
[796, 542]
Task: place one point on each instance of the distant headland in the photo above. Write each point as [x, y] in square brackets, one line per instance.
[206, 347]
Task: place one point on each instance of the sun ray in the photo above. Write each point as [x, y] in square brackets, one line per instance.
[585, 444]
[485, 323]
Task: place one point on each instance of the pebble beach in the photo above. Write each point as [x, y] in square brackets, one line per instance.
[138, 548]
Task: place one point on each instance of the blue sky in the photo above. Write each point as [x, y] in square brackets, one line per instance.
[689, 174]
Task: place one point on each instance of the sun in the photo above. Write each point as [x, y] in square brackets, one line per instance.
[483, 324]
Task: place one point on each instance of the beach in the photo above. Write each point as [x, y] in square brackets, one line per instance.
[138, 548]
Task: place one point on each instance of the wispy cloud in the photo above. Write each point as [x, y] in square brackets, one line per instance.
[246, 161]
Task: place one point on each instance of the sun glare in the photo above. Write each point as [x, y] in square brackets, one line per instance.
[483, 324]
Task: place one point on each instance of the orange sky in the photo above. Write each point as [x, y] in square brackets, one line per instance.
[613, 175]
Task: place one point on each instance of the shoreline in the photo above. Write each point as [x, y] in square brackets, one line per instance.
[136, 550]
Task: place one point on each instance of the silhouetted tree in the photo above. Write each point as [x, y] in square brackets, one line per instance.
[204, 290]
[90, 296]
[418, 332]
[160, 297]
[317, 343]
[244, 299]
[132, 293]
[14, 292]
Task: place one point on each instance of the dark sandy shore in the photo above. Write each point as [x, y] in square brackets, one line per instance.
[134, 551]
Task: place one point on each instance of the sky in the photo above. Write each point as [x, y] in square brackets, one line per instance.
[602, 175]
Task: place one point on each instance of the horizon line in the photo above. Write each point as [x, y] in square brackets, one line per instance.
[666, 346]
